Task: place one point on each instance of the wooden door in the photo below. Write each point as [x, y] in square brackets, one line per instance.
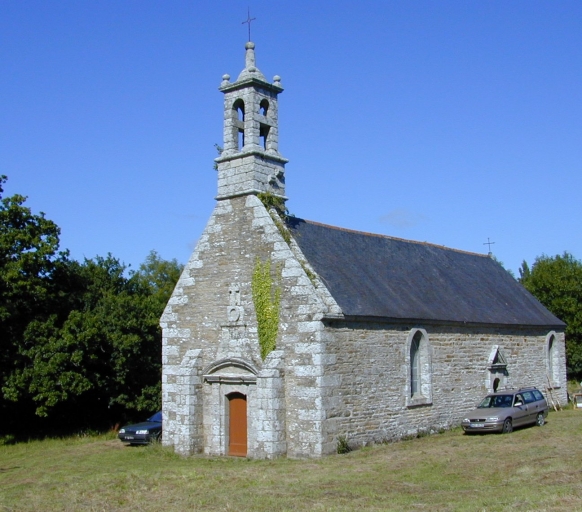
[237, 428]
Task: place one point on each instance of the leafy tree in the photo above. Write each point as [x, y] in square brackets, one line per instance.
[103, 363]
[557, 283]
[159, 277]
[80, 343]
[29, 261]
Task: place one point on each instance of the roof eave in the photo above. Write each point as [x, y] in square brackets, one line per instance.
[430, 321]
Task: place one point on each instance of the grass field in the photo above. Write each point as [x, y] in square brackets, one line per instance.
[530, 469]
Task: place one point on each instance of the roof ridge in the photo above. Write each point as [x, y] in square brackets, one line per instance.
[367, 233]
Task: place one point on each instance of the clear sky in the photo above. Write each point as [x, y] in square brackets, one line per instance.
[449, 122]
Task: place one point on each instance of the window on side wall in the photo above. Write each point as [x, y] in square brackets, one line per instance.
[415, 365]
[419, 363]
[552, 359]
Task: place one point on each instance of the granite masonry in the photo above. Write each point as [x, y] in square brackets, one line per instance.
[378, 338]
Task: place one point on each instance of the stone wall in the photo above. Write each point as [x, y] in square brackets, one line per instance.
[371, 401]
[212, 314]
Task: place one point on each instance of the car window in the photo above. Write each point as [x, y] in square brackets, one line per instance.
[518, 398]
[156, 417]
[538, 395]
[528, 397]
[502, 401]
[496, 401]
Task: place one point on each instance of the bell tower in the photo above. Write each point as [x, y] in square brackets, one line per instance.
[250, 162]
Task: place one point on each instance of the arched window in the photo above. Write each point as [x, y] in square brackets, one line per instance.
[552, 356]
[264, 108]
[497, 373]
[419, 359]
[496, 382]
[238, 108]
[415, 364]
[551, 351]
[264, 135]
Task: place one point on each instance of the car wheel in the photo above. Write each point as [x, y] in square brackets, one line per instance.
[507, 426]
[540, 420]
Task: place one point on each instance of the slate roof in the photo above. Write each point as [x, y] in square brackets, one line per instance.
[393, 279]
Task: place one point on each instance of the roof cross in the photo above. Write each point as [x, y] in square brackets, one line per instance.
[489, 243]
[248, 20]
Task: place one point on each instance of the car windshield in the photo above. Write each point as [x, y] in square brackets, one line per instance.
[496, 401]
[157, 417]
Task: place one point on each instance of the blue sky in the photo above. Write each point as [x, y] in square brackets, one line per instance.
[449, 122]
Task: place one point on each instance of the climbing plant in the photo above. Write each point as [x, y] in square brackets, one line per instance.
[267, 300]
[270, 200]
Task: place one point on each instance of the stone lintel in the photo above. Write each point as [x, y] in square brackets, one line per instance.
[230, 379]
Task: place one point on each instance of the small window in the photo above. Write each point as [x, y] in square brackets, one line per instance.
[551, 356]
[264, 134]
[552, 359]
[415, 365]
[496, 383]
[419, 363]
[239, 107]
[264, 108]
[528, 397]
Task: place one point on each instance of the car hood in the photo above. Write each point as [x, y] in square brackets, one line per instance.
[142, 426]
[488, 412]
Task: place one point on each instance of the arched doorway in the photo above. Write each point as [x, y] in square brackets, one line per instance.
[237, 424]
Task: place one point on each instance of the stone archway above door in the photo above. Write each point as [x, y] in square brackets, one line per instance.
[231, 370]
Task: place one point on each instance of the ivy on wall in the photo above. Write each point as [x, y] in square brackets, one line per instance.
[267, 300]
[270, 200]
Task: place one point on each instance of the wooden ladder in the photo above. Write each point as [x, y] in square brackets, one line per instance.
[550, 393]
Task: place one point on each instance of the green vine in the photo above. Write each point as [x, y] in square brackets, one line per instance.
[278, 204]
[270, 200]
[312, 277]
[267, 301]
[283, 231]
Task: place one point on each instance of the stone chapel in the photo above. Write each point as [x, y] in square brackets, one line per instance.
[358, 335]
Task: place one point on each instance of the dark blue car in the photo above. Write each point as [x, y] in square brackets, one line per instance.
[143, 433]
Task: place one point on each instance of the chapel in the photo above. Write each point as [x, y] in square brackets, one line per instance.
[285, 337]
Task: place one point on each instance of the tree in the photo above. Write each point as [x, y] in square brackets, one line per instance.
[557, 283]
[102, 364]
[80, 343]
[159, 277]
[29, 261]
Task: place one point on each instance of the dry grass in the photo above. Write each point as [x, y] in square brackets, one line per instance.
[531, 469]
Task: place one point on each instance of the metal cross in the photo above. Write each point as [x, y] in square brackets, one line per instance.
[489, 244]
[248, 20]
